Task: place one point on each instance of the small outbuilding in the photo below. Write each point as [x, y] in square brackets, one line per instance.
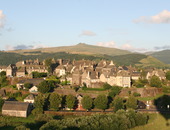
[30, 98]
[15, 108]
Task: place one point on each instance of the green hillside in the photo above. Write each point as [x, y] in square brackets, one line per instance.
[152, 62]
[7, 58]
[163, 56]
[80, 48]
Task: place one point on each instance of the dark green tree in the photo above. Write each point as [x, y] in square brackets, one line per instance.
[131, 102]
[115, 90]
[28, 85]
[1, 103]
[118, 103]
[39, 104]
[3, 73]
[168, 75]
[155, 82]
[55, 101]
[70, 101]
[3, 81]
[107, 86]
[101, 102]
[87, 102]
[44, 87]
[48, 63]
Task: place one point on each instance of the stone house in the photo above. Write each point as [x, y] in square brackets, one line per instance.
[135, 75]
[60, 70]
[11, 70]
[33, 89]
[30, 98]
[90, 79]
[34, 82]
[15, 108]
[21, 72]
[158, 73]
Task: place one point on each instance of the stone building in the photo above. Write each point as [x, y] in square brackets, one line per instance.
[15, 108]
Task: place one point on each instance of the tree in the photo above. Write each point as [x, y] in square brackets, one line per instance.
[44, 87]
[39, 104]
[1, 103]
[3, 73]
[70, 101]
[101, 102]
[87, 102]
[48, 63]
[155, 82]
[55, 101]
[3, 81]
[168, 75]
[131, 102]
[115, 90]
[107, 86]
[117, 103]
[28, 85]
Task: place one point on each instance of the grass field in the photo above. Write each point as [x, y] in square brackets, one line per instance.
[156, 122]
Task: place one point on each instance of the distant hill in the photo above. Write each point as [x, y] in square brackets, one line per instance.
[150, 61]
[163, 56]
[82, 51]
[133, 59]
[80, 48]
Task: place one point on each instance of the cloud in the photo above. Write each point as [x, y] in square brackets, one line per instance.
[87, 33]
[162, 17]
[165, 47]
[125, 46]
[111, 44]
[24, 47]
[2, 19]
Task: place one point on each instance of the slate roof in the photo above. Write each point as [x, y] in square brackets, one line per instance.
[15, 105]
[32, 81]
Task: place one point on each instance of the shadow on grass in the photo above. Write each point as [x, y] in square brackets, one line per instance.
[163, 107]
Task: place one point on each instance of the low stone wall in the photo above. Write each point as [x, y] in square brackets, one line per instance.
[76, 113]
[145, 92]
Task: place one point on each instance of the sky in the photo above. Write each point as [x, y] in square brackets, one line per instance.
[135, 25]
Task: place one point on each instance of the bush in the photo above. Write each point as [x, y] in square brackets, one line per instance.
[115, 90]
[166, 89]
[135, 94]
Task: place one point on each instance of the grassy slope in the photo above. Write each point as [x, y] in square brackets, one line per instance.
[152, 62]
[156, 122]
[163, 56]
[80, 49]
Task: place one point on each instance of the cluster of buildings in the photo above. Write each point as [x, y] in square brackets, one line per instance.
[83, 72]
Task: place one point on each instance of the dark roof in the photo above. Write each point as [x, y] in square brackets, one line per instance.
[32, 81]
[15, 105]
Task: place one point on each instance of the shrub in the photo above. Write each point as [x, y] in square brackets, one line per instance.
[135, 94]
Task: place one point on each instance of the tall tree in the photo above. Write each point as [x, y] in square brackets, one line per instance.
[101, 102]
[87, 102]
[168, 75]
[39, 104]
[131, 102]
[70, 101]
[55, 101]
[117, 103]
[155, 82]
[48, 63]
[1, 103]
[44, 87]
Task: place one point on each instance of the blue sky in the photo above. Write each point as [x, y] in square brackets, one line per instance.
[126, 24]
